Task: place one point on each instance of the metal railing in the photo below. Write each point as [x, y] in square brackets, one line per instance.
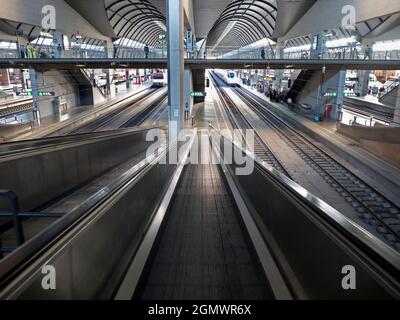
[269, 53]
[273, 53]
[90, 76]
[17, 218]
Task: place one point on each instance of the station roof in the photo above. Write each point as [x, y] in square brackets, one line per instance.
[224, 23]
[137, 20]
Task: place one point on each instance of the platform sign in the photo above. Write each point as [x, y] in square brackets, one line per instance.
[46, 94]
[40, 94]
[330, 93]
[198, 94]
[24, 94]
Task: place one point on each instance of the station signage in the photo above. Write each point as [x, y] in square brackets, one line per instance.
[46, 94]
[40, 94]
[330, 93]
[198, 94]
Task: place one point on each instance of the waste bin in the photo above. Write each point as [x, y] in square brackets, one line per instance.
[328, 111]
[56, 106]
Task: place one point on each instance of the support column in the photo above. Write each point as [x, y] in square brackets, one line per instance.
[35, 96]
[127, 78]
[57, 45]
[340, 93]
[363, 82]
[188, 89]
[318, 45]
[175, 67]
[396, 118]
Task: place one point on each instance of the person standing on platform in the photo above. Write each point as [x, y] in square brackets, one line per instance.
[22, 51]
[368, 53]
[263, 53]
[146, 52]
[290, 103]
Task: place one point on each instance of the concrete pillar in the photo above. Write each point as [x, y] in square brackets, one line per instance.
[396, 118]
[318, 45]
[127, 78]
[341, 86]
[188, 90]
[278, 80]
[35, 95]
[363, 82]
[57, 44]
[175, 67]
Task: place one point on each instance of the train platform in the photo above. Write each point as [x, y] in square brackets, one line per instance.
[369, 99]
[12, 100]
[373, 169]
[54, 122]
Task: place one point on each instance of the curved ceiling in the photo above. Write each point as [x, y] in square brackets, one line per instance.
[243, 22]
[137, 20]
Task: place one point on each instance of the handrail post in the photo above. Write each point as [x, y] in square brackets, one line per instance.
[13, 199]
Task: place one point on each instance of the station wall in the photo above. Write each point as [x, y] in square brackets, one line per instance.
[59, 83]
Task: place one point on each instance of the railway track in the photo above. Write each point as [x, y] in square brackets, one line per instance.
[261, 150]
[370, 205]
[382, 113]
[146, 113]
[16, 108]
[109, 116]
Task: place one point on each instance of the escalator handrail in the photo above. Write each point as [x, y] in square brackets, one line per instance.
[11, 148]
[366, 240]
[14, 262]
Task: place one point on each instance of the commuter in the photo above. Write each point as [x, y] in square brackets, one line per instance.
[263, 53]
[290, 103]
[23, 52]
[29, 50]
[59, 51]
[368, 53]
[381, 91]
[146, 52]
[35, 52]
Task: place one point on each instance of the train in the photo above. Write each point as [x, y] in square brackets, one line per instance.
[229, 76]
[158, 79]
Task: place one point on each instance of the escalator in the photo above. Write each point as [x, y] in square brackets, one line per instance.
[176, 231]
[299, 84]
[204, 251]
